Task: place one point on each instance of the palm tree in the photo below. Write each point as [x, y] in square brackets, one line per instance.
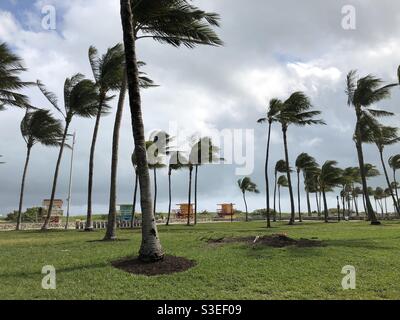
[381, 136]
[108, 71]
[174, 22]
[145, 82]
[295, 110]
[394, 163]
[272, 111]
[304, 163]
[362, 94]
[202, 152]
[282, 182]
[80, 99]
[10, 69]
[379, 194]
[177, 161]
[311, 179]
[331, 177]
[350, 175]
[280, 167]
[246, 185]
[37, 127]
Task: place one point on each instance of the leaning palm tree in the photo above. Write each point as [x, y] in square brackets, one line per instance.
[108, 72]
[394, 163]
[282, 183]
[295, 111]
[203, 152]
[174, 22]
[304, 163]
[10, 83]
[177, 161]
[246, 185]
[331, 177]
[362, 95]
[37, 127]
[381, 136]
[272, 111]
[80, 99]
[280, 167]
[145, 82]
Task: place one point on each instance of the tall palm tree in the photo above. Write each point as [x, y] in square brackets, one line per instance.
[272, 111]
[394, 163]
[177, 161]
[280, 167]
[295, 111]
[37, 127]
[11, 67]
[331, 177]
[304, 163]
[108, 71]
[80, 99]
[203, 152]
[246, 185]
[174, 22]
[282, 183]
[381, 136]
[362, 95]
[145, 82]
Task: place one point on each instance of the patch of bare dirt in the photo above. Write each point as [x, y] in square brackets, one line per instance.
[168, 265]
[275, 241]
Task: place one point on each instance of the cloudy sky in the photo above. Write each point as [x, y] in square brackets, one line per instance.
[272, 48]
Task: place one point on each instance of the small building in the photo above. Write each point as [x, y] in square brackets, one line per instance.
[226, 210]
[57, 211]
[183, 211]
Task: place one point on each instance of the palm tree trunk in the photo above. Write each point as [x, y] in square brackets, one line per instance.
[134, 199]
[55, 179]
[169, 195]
[245, 204]
[89, 222]
[190, 194]
[395, 185]
[279, 202]
[21, 197]
[344, 207]
[275, 185]
[112, 211]
[370, 211]
[150, 249]
[292, 209]
[365, 206]
[326, 213]
[356, 206]
[308, 204]
[155, 190]
[298, 194]
[195, 194]
[317, 202]
[266, 176]
[388, 182]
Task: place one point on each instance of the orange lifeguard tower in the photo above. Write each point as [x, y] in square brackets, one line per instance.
[226, 209]
[184, 210]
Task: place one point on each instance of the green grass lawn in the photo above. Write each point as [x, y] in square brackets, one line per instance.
[230, 271]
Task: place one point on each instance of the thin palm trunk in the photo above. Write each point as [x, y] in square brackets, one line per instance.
[275, 185]
[267, 177]
[279, 202]
[155, 190]
[388, 183]
[195, 194]
[298, 194]
[364, 204]
[21, 197]
[134, 200]
[370, 211]
[150, 249]
[169, 195]
[308, 204]
[55, 179]
[292, 209]
[395, 185]
[112, 211]
[89, 214]
[245, 204]
[326, 213]
[356, 206]
[318, 205]
[190, 195]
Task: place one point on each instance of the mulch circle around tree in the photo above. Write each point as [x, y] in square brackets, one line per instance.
[168, 265]
[275, 240]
